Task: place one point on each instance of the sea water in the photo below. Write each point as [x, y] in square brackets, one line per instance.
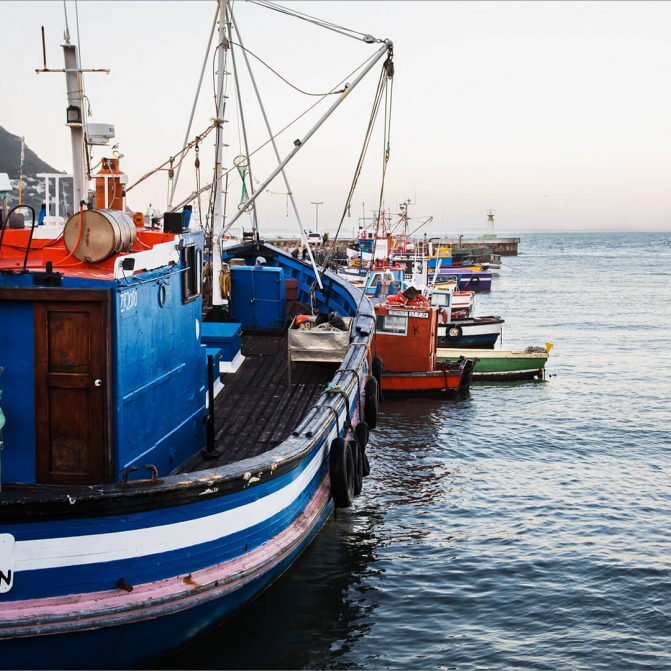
[525, 526]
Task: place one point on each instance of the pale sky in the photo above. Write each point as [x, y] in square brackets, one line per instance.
[557, 115]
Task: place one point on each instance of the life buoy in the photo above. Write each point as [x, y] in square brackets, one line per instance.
[454, 332]
[371, 402]
[357, 454]
[342, 473]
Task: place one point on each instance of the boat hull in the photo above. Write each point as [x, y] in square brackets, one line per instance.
[501, 364]
[138, 642]
[117, 627]
[445, 381]
[117, 574]
[478, 333]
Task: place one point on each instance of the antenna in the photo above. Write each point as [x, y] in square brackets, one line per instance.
[74, 116]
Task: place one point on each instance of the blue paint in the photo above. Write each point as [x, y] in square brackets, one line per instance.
[17, 356]
[258, 297]
[157, 400]
[159, 371]
[482, 340]
[136, 644]
[94, 577]
[223, 337]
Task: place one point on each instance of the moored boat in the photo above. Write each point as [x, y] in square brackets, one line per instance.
[159, 467]
[406, 337]
[501, 364]
[458, 327]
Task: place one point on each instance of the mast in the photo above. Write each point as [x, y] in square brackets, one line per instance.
[218, 220]
[23, 142]
[73, 82]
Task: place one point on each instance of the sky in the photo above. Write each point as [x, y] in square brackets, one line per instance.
[556, 115]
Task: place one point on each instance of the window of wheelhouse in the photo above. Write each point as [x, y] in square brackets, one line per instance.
[440, 299]
[192, 278]
[391, 324]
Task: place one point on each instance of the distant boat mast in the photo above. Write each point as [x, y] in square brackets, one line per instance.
[23, 144]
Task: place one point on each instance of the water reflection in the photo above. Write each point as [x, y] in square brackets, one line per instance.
[318, 607]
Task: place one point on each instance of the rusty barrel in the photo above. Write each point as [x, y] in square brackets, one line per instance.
[105, 233]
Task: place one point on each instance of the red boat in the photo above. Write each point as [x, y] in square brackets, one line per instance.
[406, 339]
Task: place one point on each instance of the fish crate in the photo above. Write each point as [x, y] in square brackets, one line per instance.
[315, 345]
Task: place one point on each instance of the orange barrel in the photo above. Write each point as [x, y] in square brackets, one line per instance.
[106, 232]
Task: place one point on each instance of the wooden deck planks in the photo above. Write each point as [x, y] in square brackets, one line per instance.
[257, 409]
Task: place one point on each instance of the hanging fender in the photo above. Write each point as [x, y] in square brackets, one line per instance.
[342, 473]
[377, 368]
[358, 456]
[361, 435]
[371, 402]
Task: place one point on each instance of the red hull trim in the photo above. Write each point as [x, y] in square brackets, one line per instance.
[428, 381]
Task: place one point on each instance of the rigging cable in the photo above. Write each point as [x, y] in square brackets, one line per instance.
[195, 102]
[241, 117]
[289, 194]
[190, 198]
[381, 87]
[182, 153]
[286, 81]
[342, 30]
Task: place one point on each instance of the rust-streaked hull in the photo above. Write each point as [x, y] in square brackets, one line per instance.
[451, 380]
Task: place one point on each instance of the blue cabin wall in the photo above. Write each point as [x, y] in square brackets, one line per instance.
[160, 372]
[17, 357]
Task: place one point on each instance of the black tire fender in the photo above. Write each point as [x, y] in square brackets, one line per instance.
[454, 332]
[342, 473]
[371, 402]
[361, 434]
[377, 368]
[358, 455]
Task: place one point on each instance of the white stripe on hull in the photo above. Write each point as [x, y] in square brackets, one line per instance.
[105, 547]
[472, 329]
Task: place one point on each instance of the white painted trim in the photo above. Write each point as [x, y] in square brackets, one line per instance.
[158, 256]
[471, 329]
[232, 366]
[218, 388]
[99, 548]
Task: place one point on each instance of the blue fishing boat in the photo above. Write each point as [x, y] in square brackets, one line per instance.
[161, 465]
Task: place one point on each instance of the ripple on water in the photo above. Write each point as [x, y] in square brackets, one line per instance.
[524, 526]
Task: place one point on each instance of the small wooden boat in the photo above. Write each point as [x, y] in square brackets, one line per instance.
[501, 364]
[406, 339]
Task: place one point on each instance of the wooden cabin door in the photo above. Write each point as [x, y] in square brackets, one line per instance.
[70, 392]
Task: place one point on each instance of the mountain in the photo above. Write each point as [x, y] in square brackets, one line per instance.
[33, 186]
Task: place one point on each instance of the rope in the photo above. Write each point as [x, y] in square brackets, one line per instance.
[340, 391]
[182, 153]
[388, 70]
[286, 81]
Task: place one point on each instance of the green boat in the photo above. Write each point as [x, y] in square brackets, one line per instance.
[502, 364]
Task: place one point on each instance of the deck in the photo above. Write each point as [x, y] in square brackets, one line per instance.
[257, 409]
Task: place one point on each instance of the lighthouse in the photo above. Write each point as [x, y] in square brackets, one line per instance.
[490, 225]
